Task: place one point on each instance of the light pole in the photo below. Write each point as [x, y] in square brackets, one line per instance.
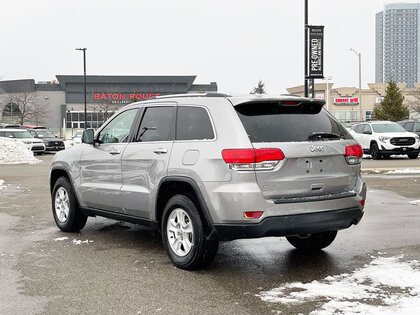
[328, 78]
[84, 79]
[360, 82]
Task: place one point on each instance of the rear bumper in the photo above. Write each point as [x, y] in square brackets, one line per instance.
[308, 223]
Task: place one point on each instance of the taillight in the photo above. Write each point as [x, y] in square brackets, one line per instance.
[252, 159]
[354, 153]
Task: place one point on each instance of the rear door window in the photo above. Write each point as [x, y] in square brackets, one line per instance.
[367, 129]
[273, 122]
[158, 124]
[193, 123]
[408, 126]
[359, 128]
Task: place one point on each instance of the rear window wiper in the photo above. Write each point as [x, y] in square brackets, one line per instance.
[318, 136]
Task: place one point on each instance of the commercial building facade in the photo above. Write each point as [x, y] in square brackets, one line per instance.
[397, 54]
[63, 99]
[344, 104]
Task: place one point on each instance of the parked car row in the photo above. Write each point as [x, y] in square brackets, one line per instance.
[381, 139]
[36, 138]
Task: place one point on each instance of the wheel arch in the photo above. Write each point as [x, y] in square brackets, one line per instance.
[174, 185]
[55, 175]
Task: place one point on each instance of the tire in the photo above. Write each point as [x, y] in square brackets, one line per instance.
[313, 242]
[374, 151]
[413, 156]
[184, 236]
[66, 212]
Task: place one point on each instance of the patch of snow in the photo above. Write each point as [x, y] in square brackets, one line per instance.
[366, 156]
[404, 171]
[385, 286]
[80, 242]
[61, 238]
[414, 202]
[1, 184]
[15, 152]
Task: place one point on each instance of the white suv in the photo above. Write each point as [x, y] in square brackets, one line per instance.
[22, 135]
[383, 138]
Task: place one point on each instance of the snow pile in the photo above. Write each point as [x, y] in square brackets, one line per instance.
[61, 239]
[1, 184]
[15, 152]
[404, 171]
[414, 202]
[79, 242]
[385, 286]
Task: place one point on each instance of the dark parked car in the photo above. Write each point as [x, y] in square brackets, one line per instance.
[412, 125]
[50, 140]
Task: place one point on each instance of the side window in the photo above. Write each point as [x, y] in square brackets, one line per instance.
[408, 126]
[359, 128]
[118, 129]
[193, 123]
[416, 127]
[33, 133]
[2, 134]
[367, 129]
[158, 124]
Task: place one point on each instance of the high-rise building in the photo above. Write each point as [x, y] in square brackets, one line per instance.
[397, 43]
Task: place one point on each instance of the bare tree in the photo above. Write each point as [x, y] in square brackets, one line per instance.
[29, 107]
[413, 101]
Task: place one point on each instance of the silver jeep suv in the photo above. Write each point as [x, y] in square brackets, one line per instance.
[210, 167]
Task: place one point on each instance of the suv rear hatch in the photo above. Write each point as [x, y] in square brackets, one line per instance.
[314, 145]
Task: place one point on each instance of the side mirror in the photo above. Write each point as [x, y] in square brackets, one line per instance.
[88, 136]
[367, 132]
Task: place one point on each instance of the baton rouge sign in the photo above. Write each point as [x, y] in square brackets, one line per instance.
[122, 97]
[316, 52]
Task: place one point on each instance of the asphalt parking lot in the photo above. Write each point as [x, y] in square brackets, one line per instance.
[113, 267]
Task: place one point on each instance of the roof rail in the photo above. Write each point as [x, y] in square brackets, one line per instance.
[193, 95]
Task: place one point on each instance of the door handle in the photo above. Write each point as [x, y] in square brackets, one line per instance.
[161, 151]
[114, 151]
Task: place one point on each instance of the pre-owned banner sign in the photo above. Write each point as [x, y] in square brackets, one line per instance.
[316, 52]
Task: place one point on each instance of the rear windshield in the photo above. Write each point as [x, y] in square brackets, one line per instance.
[387, 128]
[273, 122]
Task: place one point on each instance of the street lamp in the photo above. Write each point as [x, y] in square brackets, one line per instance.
[84, 79]
[328, 78]
[360, 81]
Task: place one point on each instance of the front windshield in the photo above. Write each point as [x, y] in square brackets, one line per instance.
[380, 128]
[21, 134]
[45, 134]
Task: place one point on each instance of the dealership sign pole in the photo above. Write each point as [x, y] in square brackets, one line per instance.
[84, 81]
[316, 55]
[306, 50]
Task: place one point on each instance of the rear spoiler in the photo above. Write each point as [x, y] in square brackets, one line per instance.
[281, 106]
